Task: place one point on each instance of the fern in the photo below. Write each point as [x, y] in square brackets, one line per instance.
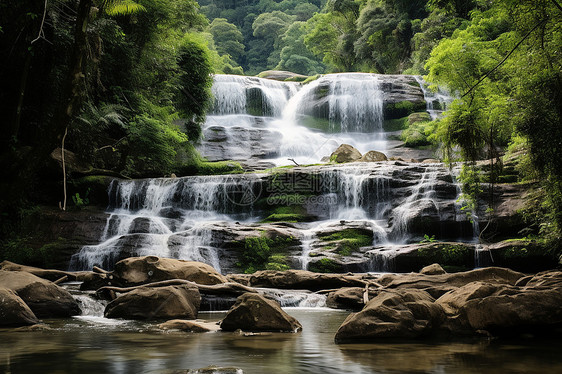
[121, 7]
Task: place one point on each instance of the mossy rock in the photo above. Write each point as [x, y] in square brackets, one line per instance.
[529, 256]
[347, 241]
[397, 124]
[448, 255]
[402, 109]
[326, 265]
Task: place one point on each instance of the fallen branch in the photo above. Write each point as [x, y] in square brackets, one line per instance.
[61, 280]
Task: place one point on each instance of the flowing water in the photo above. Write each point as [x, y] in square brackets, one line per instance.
[80, 346]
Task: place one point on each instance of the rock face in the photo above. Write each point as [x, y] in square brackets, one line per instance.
[13, 311]
[255, 313]
[140, 270]
[146, 303]
[345, 153]
[44, 298]
[373, 156]
[346, 298]
[393, 314]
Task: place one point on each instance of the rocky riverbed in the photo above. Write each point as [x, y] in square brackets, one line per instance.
[431, 304]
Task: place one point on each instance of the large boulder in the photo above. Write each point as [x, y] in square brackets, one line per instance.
[346, 298]
[141, 270]
[49, 274]
[503, 309]
[44, 298]
[345, 153]
[438, 285]
[145, 303]
[393, 314]
[254, 313]
[303, 280]
[373, 156]
[13, 311]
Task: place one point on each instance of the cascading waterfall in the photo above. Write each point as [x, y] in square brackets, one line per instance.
[259, 119]
[437, 102]
[167, 217]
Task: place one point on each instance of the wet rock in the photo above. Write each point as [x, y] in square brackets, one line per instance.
[433, 269]
[438, 285]
[346, 298]
[13, 311]
[303, 280]
[188, 326]
[345, 153]
[146, 303]
[522, 255]
[49, 274]
[373, 156]
[281, 75]
[503, 309]
[254, 313]
[44, 298]
[211, 370]
[139, 270]
[393, 314]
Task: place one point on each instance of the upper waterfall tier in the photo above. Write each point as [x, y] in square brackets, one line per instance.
[263, 122]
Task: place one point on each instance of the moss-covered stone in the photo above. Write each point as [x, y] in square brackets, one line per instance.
[396, 124]
[347, 241]
[402, 109]
[92, 187]
[325, 265]
[267, 251]
[451, 256]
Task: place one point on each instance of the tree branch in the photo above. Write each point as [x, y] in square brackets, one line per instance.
[41, 34]
[504, 59]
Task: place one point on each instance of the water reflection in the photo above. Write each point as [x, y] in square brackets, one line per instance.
[76, 346]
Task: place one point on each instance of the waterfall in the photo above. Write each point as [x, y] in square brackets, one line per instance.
[436, 102]
[169, 217]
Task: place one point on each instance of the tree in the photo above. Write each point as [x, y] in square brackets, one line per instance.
[227, 37]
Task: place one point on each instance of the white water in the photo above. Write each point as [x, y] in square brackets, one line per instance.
[440, 97]
[351, 112]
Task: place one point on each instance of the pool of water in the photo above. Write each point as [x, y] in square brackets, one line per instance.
[84, 345]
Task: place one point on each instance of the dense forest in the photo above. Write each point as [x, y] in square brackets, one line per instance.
[121, 88]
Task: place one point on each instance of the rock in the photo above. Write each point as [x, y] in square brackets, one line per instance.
[211, 370]
[434, 269]
[393, 314]
[281, 75]
[140, 270]
[301, 279]
[72, 162]
[438, 285]
[527, 256]
[255, 313]
[345, 153]
[48, 274]
[373, 156]
[13, 311]
[346, 298]
[147, 303]
[503, 309]
[188, 326]
[430, 161]
[44, 298]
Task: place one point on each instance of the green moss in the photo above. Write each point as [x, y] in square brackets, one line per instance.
[312, 78]
[447, 254]
[202, 167]
[325, 265]
[264, 252]
[348, 241]
[402, 109]
[419, 133]
[20, 251]
[395, 124]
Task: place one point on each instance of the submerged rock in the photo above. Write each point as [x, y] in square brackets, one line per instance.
[13, 311]
[156, 303]
[44, 298]
[254, 313]
[140, 270]
[188, 326]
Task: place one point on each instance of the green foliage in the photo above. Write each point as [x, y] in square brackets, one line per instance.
[447, 254]
[80, 202]
[428, 239]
